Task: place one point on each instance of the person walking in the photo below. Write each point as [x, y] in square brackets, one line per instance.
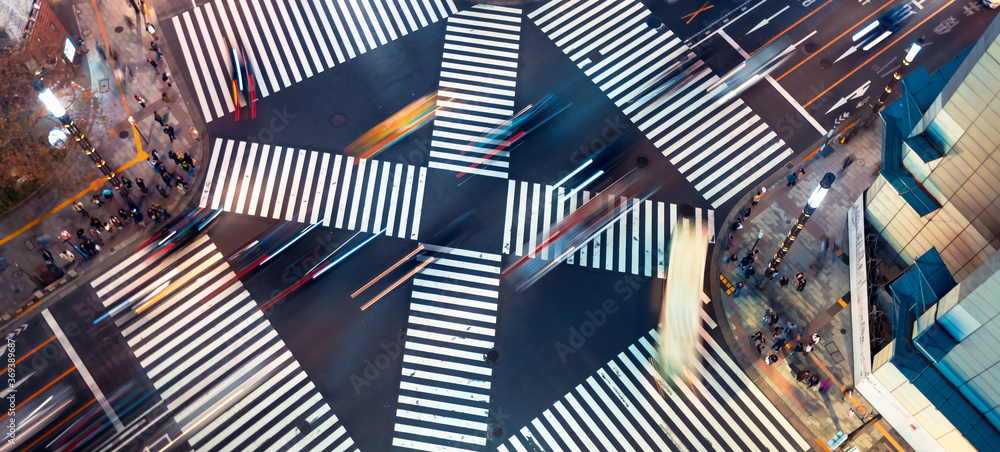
[760, 194]
[187, 168]
[68, 255]
[141, 100]
[169, 131]
[800, 284]
[153, 214]
[159, 119]
[124, 214]
[736, 289]
[784, 281]
[165, 98]
[141, 184]
[188, 159]
[78, 206]
[155, 156]
[770, 317]
[96, 200]
[792, 180]
[173, 156]
[163, 191]
[96, 223]
[127, 183]
[815, 339]
[798, 348]
[757, 336]
[137, 216]
[166, 179]
[749, 272]
[153, 63]
[771, 359]
[46, 255]
[166, 79]
[194, 134]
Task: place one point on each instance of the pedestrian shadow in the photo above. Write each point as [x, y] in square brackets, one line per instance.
[831, 409]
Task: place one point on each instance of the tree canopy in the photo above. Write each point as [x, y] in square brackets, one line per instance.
[26, 158]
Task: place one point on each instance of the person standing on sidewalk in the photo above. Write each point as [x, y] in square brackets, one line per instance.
[96, 199]
[784, 281]
[153, 63]
[165, 98]
[771, 359]
[141, 100]
[78, 206]
[141, 184]
[166, 79]
[760, 194]
[736, 289]
[169, 131]
[194, 134]
[186, 167]
[800, 282]
[163, 191]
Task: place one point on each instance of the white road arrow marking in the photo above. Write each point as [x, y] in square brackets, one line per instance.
[848, 52]
[856, 94]
[767, 21]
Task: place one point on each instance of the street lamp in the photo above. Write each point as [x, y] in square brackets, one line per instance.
[811, 205]
[55, 107]
[911, 54]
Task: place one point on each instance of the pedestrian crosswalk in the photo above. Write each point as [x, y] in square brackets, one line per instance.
[626, 406]
[478, 78]
[718, 144]
[226, 377]
[287, 41]
[635, 243]
[311, 186]
[444, 391]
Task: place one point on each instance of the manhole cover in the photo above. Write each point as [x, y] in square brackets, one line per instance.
[641, 161]
[843, 331]
[492, 356]
[825, 64]
[119, 29]
[595, 56]
[809, 47]
[686, 210]
[123, 134]
[338, 120]
[788, 221]
[859, 162]
[497, 432]
[654, 22]
[305, 427]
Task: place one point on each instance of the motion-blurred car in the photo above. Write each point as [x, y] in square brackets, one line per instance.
[243, 79]
[882, 28]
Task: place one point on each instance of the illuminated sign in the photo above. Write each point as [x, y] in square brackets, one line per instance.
[69, 49]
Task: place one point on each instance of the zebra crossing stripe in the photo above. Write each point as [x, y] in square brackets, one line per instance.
[197, 354]
[705, 138]
[445, 385]
[481, 79]
[304, 185]
[288, 38]
[627, 245]
[640, 417]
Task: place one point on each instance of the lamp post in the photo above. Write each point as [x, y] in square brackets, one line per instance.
[55, 107]
[911, 54]
[811, 205]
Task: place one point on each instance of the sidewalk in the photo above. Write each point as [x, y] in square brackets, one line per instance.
[25, 229]
[821, 307]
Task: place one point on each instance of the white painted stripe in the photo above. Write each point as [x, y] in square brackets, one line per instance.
[380, 205]
[468, 170]
[450, 379]
[454, 300]
[284, 42]
[270, 42]
[307, 188]
[464, 315]
[345, 40]
[533, 220]
[344, 192]
[601, 394]
[196, 44]
[521, 208]
[282, 183]
[444, 392]
[418, 202]
[205, 191]
[489, 332]
[467, 253]
[224, 169]
[405, 206]
[450, 339]
[311, 17]
[643, 381]
[438, 405]
[213, 50]
[293, 193]
[589, 421]
[320, 186]
[553, 445]
[465, 265]
[82, 369]
[192, 68]
[397, 173]
[234, 179]
[419, 445]
[641, 400]
[753, 177]
[560, 431]
[573, 425]
[440, 434]
[460, 276]
[245, 182]
[372, 180]
[257, 43]
[352, 221]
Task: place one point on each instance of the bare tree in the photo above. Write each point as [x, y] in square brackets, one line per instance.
[26, 157]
